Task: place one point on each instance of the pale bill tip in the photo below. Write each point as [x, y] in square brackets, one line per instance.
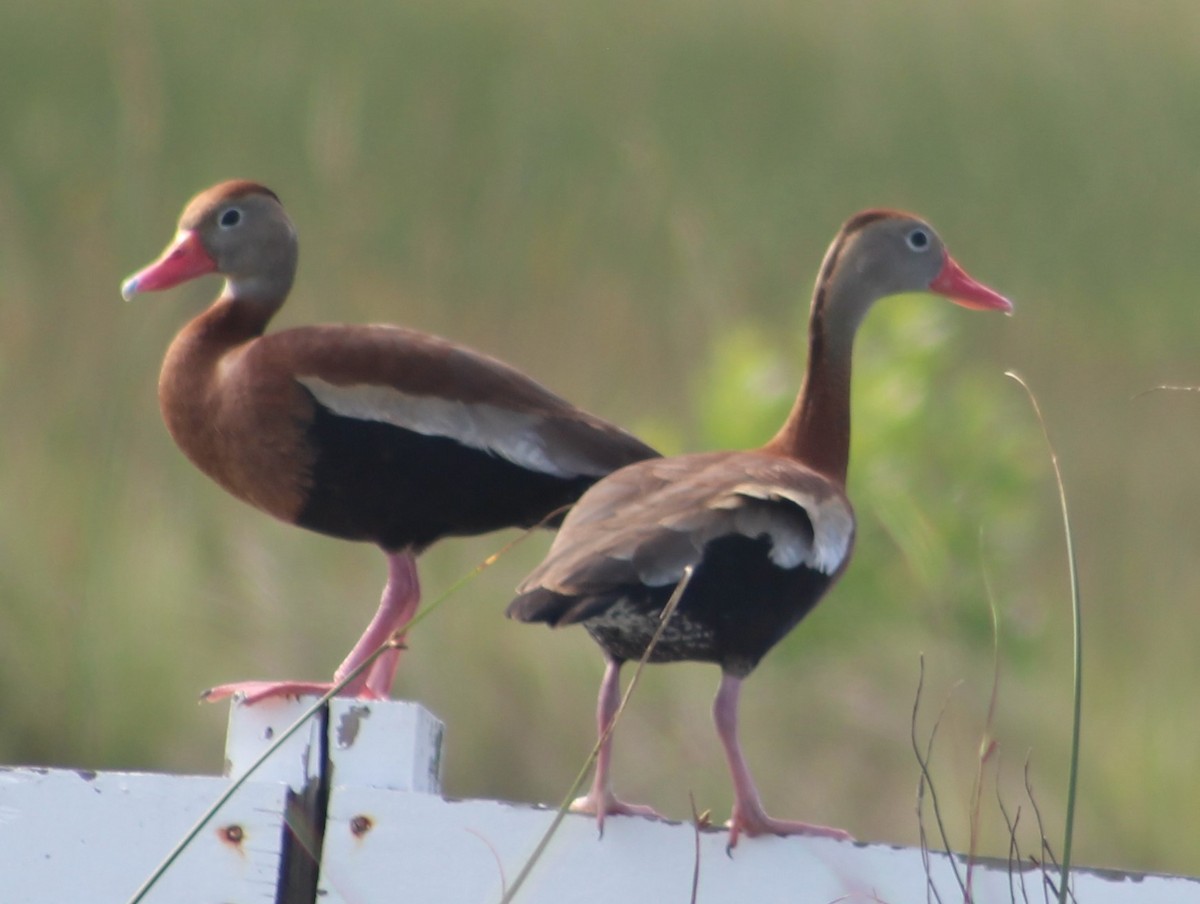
[129, 288]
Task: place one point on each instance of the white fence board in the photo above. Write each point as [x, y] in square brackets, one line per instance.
[423, 848]
[395, 745]
[77, 837]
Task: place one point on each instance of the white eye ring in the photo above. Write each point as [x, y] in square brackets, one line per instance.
[230, 218]
[918, 239]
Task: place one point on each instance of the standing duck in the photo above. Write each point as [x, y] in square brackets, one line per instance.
[372, 433]
[766, 532]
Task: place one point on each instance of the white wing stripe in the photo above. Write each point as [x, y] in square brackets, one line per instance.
[832, 521]
[512, 435]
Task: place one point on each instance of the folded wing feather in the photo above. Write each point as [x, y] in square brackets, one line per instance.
[532, 440]
[649, 521]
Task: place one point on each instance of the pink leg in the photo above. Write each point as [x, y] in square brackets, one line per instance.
[400, 599]
[748, 813]
[600, 800]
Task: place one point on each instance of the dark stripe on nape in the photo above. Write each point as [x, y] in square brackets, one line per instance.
[816, 334]
[855, 224]
[866, 218]
[238, 187]
[831, 259]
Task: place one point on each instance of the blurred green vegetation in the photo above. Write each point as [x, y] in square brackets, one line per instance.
[630, 200]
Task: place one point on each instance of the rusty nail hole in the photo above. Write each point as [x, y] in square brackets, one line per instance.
[233, 834]
[360, 825]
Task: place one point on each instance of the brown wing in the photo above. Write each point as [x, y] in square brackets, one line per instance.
[643, 525]
[435, 387]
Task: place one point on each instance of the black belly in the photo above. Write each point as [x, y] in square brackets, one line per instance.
[737, 606]
[377, 482]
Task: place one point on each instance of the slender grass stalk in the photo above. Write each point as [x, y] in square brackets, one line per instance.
[495, 856]
[926, 781]
[565, 806]
[237, 783]
[698, 820]
[1014, 847]
[1045, 859]
[393, 642]
[1077, 621]
[1164, 387]
[987, 743]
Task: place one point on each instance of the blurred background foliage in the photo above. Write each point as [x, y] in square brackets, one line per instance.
[629, 200]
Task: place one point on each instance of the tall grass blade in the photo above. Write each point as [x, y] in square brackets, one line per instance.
[1167, 387]
[1077, 621]
[581, 777]
[237, 783]
[698, 820]
[988, 742]
[391, 643]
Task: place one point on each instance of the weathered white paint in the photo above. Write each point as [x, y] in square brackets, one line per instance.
[394, 745]
[425, 849]
[252, 729]
[76, 836]
[397, 748]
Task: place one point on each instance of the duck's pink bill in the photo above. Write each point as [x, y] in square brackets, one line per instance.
[953, 282]
[184, 259]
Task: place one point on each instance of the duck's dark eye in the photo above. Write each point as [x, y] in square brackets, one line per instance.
[918, 240]
[231, 217]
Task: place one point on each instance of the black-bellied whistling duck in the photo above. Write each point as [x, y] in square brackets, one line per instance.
[373, 433]
[766, 531]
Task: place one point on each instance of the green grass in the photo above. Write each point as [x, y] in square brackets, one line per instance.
[630, 200]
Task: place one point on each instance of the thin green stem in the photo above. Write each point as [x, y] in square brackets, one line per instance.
[697, 822]
[1077, 619]
[238, 782]
[987, 743]
[338, 687]
[1165, 387]
[565, 806]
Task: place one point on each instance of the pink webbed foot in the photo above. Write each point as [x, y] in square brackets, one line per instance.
[749, 817]
[606, 803]
[256, 691]
[401, 596]
[752, 820]
[601, 801]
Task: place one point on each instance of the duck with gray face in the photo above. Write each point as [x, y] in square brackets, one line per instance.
[373, 433]
[764, 532]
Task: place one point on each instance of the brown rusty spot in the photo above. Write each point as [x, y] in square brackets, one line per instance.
[360, 825]
[232, 834]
